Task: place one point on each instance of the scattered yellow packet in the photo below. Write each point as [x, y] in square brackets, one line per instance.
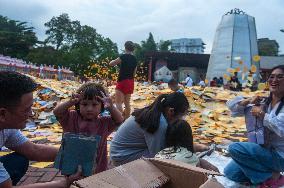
[3, 153]
[256, 58]
[253, 68]
[41, 164]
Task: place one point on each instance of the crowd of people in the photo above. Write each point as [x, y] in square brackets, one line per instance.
[249, 81]
[233, 83]
[155, 131]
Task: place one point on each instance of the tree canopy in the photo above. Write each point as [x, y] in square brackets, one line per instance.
[75, 45]
[16, 38]
[70, 44]
[267, 47]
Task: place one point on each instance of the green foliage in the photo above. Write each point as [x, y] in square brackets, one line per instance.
[149, 44]
[267, 50]
[146, 46]
[74, 45]
[267, 47]
[102, 70]
[70, 44]
[139, 52]
[16, 38]
[60, 31]
[78, 59]
[164, 46]
[106, 49]
[44, 55]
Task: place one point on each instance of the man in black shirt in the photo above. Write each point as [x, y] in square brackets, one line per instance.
[125, 82]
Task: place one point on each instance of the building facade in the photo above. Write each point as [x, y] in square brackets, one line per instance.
[267, 47]
[235, 41]
[166, 65]
[188, 45]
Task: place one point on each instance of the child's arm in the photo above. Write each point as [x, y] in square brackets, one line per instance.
[200, 147]
[116, 115]
[114, 112]
[206, 165]
[61, 109]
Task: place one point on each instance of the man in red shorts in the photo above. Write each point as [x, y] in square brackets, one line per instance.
[125, 83]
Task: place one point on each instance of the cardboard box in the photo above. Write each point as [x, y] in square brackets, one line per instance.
[212, 182]
[150, 173]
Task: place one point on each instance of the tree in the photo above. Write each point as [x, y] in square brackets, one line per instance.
[44, 55]
[61, 30]
[164, 46]
[149, 44]
[267, 47]
[79, 45]
[85, 36]
[78, 59]
[140, 50]
[267, 51]
[146, 46]
[16, 38]
[99, 65]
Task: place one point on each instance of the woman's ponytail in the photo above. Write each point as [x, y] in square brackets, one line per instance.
[149, 117]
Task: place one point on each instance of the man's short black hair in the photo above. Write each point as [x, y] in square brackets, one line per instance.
[13, 86]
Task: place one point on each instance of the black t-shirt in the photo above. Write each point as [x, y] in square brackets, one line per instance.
[127, 66]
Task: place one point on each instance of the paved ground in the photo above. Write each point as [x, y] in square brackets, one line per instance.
[35, 175]
[39, 175]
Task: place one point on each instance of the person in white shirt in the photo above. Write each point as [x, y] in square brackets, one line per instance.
[188, 81]
[261, 160]
[202, 83]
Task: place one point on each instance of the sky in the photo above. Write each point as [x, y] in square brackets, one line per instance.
[122, 20]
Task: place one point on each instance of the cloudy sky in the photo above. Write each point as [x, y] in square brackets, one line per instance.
[122, 20]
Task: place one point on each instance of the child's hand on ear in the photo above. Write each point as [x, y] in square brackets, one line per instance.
[75, 98]
[106, 100]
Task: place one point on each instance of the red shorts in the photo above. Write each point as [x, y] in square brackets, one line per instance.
[125, 86]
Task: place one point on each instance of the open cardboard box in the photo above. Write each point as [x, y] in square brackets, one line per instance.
[151, 173]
